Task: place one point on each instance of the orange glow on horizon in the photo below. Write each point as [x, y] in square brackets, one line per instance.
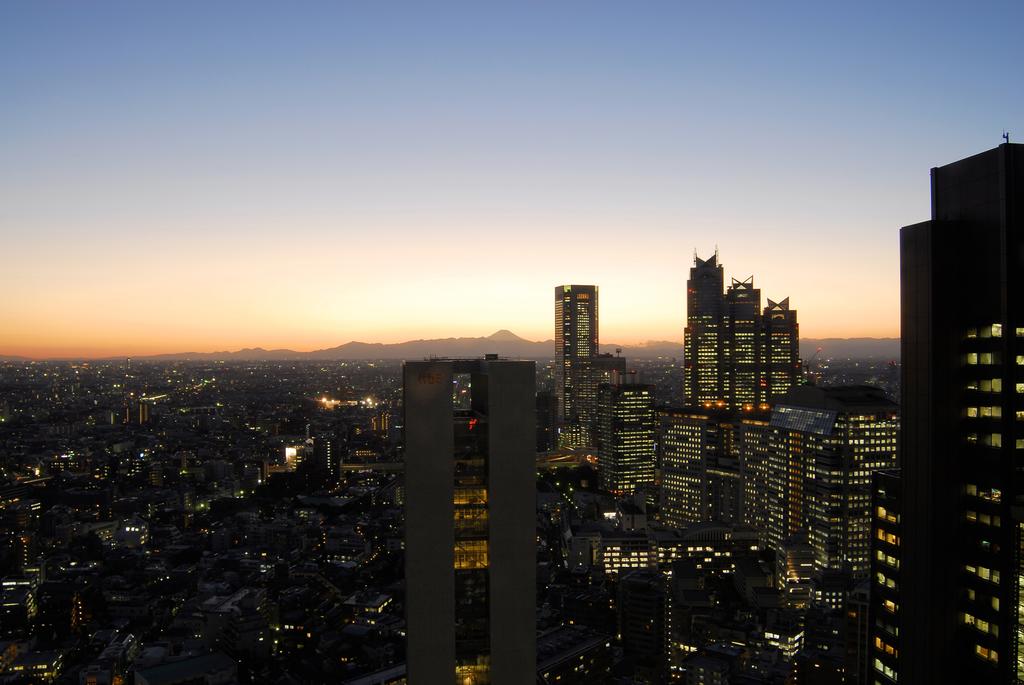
[226, 294]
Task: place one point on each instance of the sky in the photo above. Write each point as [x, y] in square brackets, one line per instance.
[203, 176]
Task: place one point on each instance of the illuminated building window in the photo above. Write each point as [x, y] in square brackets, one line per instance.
[986, 653]
[471, 554]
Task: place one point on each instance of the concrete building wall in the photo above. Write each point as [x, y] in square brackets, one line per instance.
[512, 486]
[429, 513]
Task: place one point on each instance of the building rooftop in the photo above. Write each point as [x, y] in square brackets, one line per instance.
[186, 670]
[842, 398]
[565, 642]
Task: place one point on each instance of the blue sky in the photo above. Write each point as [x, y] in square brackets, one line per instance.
[302, 174]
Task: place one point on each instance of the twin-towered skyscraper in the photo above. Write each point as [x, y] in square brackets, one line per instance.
[737, 356]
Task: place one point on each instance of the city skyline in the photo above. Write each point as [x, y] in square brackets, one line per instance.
[285, 396]
[207, 178]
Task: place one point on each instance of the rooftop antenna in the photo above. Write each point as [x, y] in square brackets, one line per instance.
[1006, 136]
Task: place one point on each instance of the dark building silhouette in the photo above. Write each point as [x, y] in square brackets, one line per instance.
[576, 348]
[547, 421]
[962, 283]
[642, 607]
[608, 367]
[884, 610]
[573, 655]
[327, 457]
[470, 557]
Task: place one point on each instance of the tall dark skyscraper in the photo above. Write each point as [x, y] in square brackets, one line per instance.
[960, 600]
[547, 425]
[884, 605]
[470, 556]
[576, 348]
[737, 356]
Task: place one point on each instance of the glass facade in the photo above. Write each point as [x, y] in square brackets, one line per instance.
[737, 356]
[626, 445]
[576, 348]
[472, 625]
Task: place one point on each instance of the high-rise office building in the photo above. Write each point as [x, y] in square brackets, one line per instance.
[742, 345]
[753, 440]
[882, 654]
[703, 376]
[685, 441]
[608, 368]
[547, 424]
[808, 470]
[470, 555]
[576, 347]
[700, 475]
[642, 609]
[327, 458]
[780, 365]
[962, 337]
[736, 356]
[724, 483]
[625, 435]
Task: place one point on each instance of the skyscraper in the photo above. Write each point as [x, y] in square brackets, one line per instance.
[470, 554]
[576, 347]
[884, 603]
[547, 426]
[779, 351]
[962, 290]
[685, 443]
[703, 379]
[700, 478]
[808, 470]
[736, 356]
[625, 435]
[742, 345]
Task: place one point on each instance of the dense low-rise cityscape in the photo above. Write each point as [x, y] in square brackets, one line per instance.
[248, 516]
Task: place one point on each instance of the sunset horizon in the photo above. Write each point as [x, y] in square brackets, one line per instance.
[301, 179]
[100, 354]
